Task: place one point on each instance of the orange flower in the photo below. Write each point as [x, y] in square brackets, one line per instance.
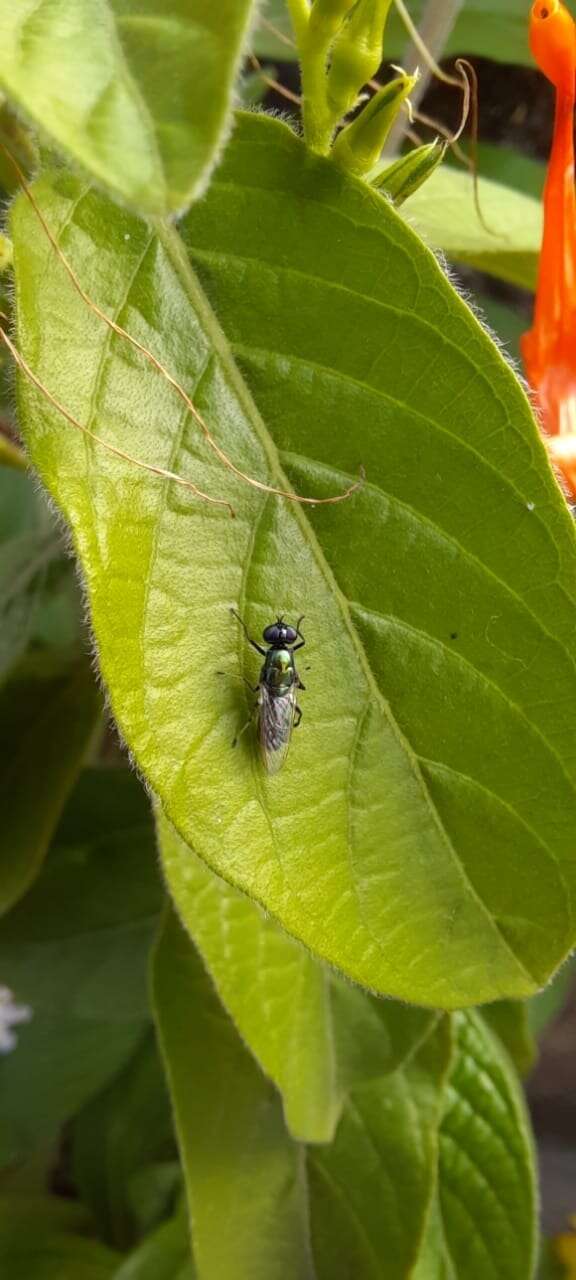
[549, 349]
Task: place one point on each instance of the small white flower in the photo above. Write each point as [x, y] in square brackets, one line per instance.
[11, 1015]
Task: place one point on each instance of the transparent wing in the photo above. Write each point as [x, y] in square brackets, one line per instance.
[275, 722]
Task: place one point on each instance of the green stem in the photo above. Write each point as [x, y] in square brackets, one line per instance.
[313, 42]
[300, 13]
[316, 117]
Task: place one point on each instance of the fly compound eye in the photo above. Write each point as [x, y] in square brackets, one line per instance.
[290, 635]
[271, 634]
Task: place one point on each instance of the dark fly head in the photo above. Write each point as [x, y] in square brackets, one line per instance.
[280, 635]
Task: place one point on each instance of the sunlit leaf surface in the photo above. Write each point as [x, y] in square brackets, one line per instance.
[421, 834]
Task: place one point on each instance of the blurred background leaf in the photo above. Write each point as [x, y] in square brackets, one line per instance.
[44, 1240]
[313, 1034]
[49, 711]
[244, 1175]
[125, 1130]
[75, 951]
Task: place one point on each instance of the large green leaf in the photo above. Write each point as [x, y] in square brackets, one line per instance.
[75, 951]
[245, 1177]
[486, 1174]
[48, 713]
[421, 834]
[371, 1189]
[139, 94]
[482, 1220]
[507, 246]
[313, 1034]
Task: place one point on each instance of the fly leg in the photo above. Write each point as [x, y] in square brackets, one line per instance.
[231, 675]
[246, 726]
[297, 712]
[254, 643]
[298, 632]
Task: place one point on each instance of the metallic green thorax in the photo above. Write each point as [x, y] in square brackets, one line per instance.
[278, 672]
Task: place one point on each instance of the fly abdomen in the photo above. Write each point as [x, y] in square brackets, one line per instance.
[276, 718]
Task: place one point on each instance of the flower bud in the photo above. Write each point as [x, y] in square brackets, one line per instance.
[359, 145]
[327, 16]
[356, 54]
[403, 177]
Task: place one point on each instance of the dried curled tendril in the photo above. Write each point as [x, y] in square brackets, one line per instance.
[153, 360]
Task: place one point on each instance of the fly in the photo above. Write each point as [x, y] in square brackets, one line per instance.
[276, 707]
